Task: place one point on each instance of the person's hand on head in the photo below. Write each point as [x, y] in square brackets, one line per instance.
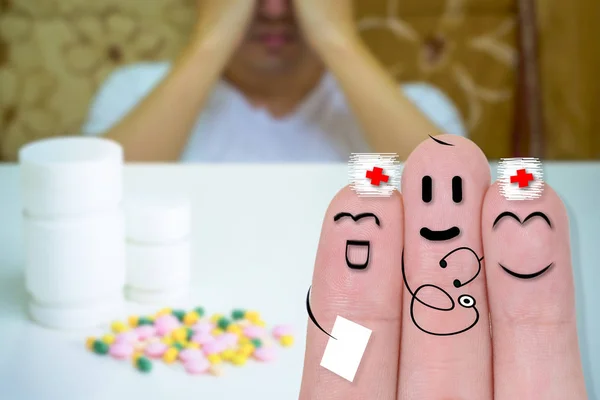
[223, 23]
[326, 21]
[468, 295]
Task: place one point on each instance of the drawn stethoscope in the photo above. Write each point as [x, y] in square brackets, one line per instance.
[464, 300]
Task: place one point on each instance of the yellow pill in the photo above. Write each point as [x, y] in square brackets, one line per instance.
[133, 321]
[163, 312]
[228, 355]
[260, 323]
[239, 359]
[287, 340]
[217, 332]
[180, 334]
[170, 355]
[215, 318]
[252, 316]
[192, 345]
[167, 340]
[236, 329]
[191, 318]
[244, 340]
[246, 350]
[118, 327]
[89, 342]
[214, 359]
[108, 338]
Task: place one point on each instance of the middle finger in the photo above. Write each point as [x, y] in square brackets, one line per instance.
[445, 345]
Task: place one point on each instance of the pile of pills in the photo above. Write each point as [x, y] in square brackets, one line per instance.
[202, 344]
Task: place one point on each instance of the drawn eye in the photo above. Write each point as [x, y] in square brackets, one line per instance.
[466, 301]
[427, 189]
[457, 189]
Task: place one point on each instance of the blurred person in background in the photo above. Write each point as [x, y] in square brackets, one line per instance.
[268, 81]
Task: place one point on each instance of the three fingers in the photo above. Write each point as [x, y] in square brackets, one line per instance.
[468, 295]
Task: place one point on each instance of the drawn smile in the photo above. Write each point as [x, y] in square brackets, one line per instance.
[526, 276]
[437, 236]
[356, 246]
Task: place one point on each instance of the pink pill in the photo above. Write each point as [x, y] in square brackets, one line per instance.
[197, 366]
[121, 350]
[166, 324]
[190, 354]
[203, 338]
[265, 354]
[282, 330]
[228, 339]
[145, 332]
[214, 347]
[254, 332]
[127, 337]
[156, 349]
[203, 327]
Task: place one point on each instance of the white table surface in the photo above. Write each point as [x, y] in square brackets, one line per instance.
[252, 249]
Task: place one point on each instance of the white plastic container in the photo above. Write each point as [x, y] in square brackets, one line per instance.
[158, 297]
[158, 248]
[75, 266]
[157, 218]
[80, 315]
[68, 176]
[158, 267]
[74, 230]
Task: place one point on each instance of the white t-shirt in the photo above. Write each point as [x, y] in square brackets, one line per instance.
[229, 129]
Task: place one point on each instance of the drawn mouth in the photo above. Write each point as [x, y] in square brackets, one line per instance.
[357, 247]
[436, 236]
[525, 276]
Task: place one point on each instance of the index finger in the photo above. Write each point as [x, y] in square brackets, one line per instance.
[357, 277]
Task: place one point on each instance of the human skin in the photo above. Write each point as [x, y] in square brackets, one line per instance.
[275, 52]
[524, 344]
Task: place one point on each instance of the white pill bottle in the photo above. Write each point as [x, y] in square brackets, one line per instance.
[74, 231]
[158, 249]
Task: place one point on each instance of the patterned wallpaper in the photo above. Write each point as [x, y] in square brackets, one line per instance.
[55, 53]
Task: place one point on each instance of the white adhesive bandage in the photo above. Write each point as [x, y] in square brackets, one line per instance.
[520, 178]
[343, 355]
[374, 175]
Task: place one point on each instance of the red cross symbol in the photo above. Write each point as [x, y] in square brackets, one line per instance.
[522, 178]
[376, 176]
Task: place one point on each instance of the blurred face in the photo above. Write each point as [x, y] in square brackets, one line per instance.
[273, 43]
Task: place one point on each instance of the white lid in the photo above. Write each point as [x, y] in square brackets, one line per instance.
[157, 218]
[157, 297]
[86, 316]
[70, 175]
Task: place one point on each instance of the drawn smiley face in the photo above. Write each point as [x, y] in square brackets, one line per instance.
[427, 197]
[536, 214]
[354, 246]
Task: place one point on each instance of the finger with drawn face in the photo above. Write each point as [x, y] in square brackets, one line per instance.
[357, 277]
[531, 297]
[445, 345]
